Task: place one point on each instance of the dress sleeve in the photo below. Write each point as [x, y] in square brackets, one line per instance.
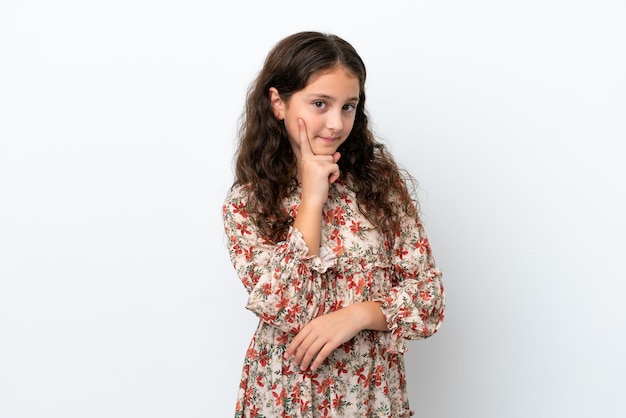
[414, 306]
[285, 286]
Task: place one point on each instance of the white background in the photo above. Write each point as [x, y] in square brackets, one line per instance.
[117, 127]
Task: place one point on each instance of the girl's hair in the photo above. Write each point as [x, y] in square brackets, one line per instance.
[265, 162]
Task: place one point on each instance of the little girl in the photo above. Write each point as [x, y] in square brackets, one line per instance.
[326, 238]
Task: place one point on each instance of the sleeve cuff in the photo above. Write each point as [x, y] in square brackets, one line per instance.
[393, 340]
[319, 263]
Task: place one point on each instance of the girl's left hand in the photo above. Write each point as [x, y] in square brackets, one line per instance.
[322, 335]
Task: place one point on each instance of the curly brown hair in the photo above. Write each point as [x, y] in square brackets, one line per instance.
[266, 164]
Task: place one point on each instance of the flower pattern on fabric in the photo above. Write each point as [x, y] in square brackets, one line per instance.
[365, 377]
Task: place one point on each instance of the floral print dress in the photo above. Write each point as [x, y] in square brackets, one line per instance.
[364, 377]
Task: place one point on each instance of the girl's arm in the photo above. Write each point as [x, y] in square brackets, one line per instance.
[413, 307]
[327, 332]
[283, 282]
[316, 173]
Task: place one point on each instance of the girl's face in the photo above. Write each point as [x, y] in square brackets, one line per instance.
[328, 107]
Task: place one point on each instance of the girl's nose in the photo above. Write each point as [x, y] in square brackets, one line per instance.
[334, 121]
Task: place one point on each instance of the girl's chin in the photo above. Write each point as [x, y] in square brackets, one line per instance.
[324, 149]
[325, 152]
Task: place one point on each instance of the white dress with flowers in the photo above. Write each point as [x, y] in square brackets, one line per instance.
[365, 377]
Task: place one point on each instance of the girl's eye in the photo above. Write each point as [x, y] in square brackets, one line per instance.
[320, 104]
[349, 107]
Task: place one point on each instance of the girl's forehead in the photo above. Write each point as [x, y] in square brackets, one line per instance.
[337, 79]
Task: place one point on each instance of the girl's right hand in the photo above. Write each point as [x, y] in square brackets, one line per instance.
[317, 172]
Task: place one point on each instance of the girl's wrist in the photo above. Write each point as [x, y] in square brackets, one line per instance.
[369, 316]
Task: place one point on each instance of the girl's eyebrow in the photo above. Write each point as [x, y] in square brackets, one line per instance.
[331, 98]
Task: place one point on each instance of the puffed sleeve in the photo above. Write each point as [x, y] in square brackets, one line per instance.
[414, 306]
[284, 284]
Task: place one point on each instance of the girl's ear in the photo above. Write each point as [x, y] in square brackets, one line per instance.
[276, 103]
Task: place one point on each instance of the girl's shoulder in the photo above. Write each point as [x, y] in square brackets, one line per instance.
[237, 193]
